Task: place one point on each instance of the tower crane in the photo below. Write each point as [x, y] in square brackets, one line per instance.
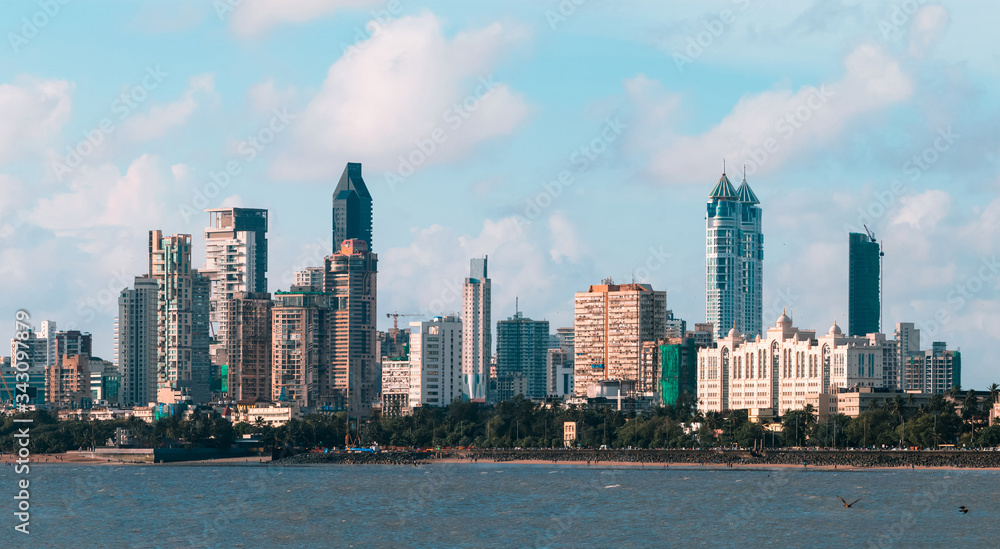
[395, 326]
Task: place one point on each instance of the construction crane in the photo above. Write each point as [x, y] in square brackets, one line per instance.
[395, 326]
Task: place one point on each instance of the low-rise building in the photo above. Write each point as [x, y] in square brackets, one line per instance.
[258, 411]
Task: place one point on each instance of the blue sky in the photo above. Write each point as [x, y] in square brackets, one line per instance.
[569, 141]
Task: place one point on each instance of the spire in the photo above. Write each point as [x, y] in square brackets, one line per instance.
[745, 193]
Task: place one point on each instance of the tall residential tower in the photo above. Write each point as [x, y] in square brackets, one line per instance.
[476, 331]
[735, 255]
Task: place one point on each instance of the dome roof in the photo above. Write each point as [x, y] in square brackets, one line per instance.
[784, 320]
[835, 330]
[734, 333]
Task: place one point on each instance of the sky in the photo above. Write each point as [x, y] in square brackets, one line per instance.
[567, 140]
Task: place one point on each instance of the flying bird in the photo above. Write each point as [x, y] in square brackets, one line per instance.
[848, 505]
[963, 510]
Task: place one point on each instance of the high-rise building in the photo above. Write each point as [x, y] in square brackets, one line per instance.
[435, 362]
[522, 351]
[67, 381]
[245, 360]
[669, 369]
[865, 308]
[353, 380]
[611, 323]
[735, 256]
[32, 351]
[235, 263]
[236, 251]
[559, 373]
[936, 370]
[182, 365]
[352, 208]
[310, 278]
[477, 331]
[300, 357]
[136, 342]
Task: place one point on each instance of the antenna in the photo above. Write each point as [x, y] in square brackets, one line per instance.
[723, 166]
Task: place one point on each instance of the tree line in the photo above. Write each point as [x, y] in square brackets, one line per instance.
[894, 422]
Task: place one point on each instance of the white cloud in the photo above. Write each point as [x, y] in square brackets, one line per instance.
[785, 121]
[162, 118]
[32, 112]
[924, 211]
[143, 198]
[427, 275]
[399, 88]
[253, 17]
[565, 244]
[264, 96]
[929, 25]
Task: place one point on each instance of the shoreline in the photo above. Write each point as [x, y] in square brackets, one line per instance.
[691, 460]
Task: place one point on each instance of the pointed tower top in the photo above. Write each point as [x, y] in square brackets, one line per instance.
[724, 190]
[745, 193]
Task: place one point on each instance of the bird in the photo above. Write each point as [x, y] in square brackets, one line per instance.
[848, 505]
[963, 509]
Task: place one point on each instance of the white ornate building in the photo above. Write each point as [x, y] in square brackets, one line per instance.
[787, 367]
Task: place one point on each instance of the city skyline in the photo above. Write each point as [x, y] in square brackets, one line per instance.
[637, 172]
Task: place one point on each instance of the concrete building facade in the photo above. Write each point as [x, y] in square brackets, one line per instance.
[352, 381]
[183, 363]
[435, 362]
[477, 331]
[136, 339]
[781, 371]
[611, 323]
[522, 351]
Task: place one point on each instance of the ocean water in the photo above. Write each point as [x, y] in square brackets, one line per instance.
[500, 505]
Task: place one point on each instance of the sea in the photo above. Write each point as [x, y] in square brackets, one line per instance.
[500, 505]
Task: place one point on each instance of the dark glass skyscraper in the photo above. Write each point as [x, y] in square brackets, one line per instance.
[865, 308]
[352, 208]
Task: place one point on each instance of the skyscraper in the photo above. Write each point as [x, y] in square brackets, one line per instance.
[182, 364]
[476, 331]
[135, 342]
[245, 359]
[735, 255]
[236, 264]
[300, 346]
[522, 351]
[352, 208]
[353, 380]
[611, 323]
[865, 308]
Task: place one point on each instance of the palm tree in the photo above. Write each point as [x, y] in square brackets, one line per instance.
[994, 393]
